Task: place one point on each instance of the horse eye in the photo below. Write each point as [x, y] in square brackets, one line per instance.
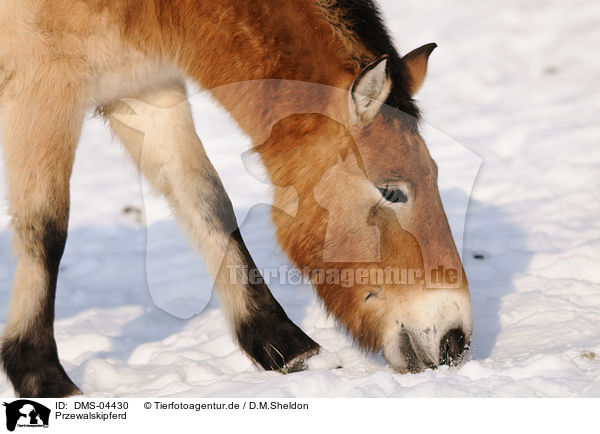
[393, 195]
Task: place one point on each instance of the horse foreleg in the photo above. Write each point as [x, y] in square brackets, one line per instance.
[40, 134]
[158, 131]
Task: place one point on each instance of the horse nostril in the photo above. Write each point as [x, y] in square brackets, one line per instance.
[452, 347]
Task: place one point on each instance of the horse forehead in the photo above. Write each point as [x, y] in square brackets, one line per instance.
[393, 151]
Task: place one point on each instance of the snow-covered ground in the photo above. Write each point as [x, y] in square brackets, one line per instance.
[514, 81]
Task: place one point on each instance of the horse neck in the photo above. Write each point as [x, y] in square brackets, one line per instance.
[223, 46]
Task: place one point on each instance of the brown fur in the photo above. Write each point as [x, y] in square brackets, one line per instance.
[59, 58]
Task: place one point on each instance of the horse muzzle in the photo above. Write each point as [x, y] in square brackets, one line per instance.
[434, 330]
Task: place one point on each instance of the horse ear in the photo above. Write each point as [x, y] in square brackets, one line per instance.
[416, 63]
[369, 90]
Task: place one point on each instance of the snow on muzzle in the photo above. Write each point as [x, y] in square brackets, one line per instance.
[433, 329]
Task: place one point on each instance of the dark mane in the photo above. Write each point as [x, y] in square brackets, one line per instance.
[363, 19]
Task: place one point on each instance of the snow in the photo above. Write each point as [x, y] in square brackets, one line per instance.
[516, 83]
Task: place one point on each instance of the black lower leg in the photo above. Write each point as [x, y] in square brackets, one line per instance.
[29, 355]
[32, 365]
[267, 335]
[271, 338]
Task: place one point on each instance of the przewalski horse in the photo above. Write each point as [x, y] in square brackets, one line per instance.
[61, 58]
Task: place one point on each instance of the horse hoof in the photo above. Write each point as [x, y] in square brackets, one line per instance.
[313, 360]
